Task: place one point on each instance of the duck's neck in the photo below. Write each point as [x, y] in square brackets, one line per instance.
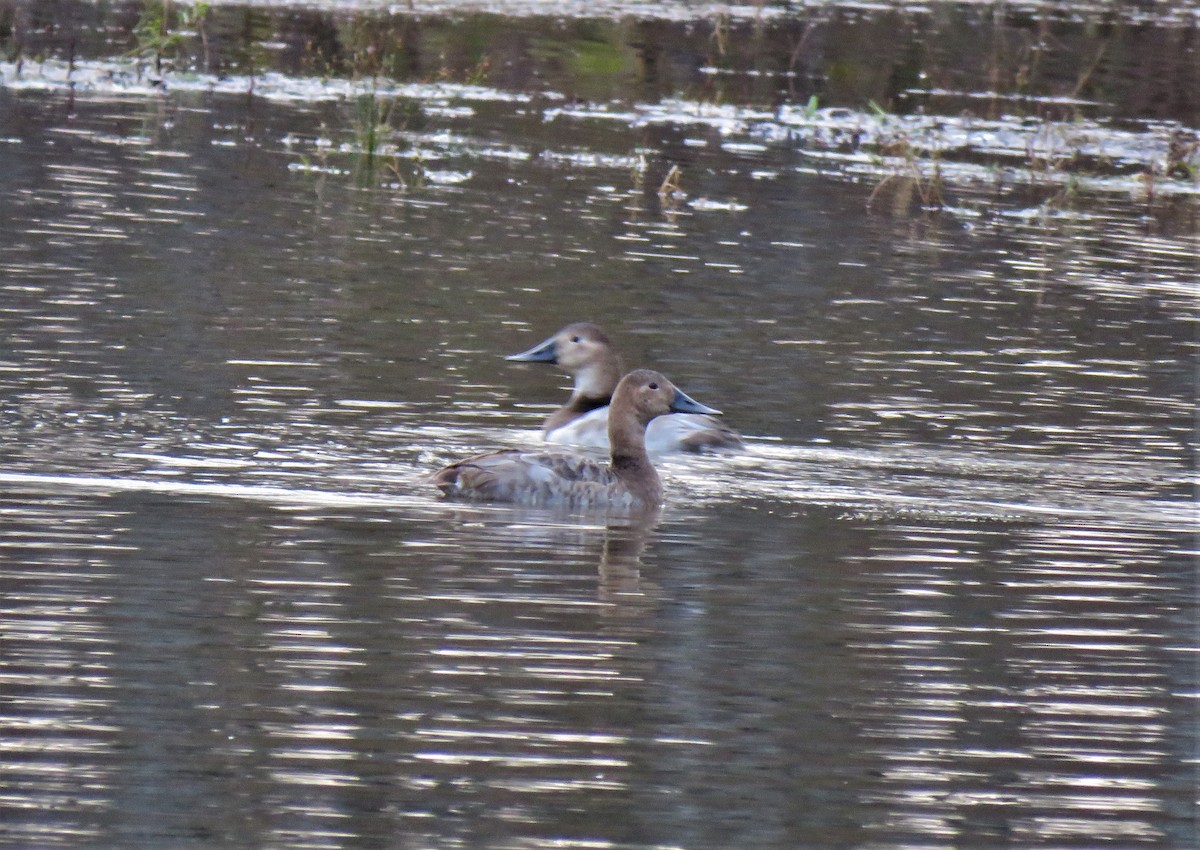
[631, 463]
[594, 385]
[598, 380]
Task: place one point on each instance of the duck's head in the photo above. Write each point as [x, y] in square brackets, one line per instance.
[574, 348]
[648, 394]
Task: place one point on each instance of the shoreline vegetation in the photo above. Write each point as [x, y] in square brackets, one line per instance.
[1095, 101]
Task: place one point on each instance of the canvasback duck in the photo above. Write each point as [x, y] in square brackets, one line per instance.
[559, 478]
[584, 352]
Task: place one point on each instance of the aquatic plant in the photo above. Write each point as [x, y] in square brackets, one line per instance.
[372, 121]
[162, 32]
[1049, 158]
[377, 121]
[374, 51]
[908, 174]
[670, 191]
[1181, 162]
[478, 74]
[1183, 156]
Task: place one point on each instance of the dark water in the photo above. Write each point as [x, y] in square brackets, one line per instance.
[946, 599]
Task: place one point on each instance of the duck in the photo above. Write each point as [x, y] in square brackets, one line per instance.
[557, 478]
[584, 352]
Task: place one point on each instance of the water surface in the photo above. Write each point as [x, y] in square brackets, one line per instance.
[945, 598]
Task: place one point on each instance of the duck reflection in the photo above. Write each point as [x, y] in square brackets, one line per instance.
[621, 584]
[519, 539]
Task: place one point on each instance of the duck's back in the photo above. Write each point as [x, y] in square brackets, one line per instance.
[534, 478]
[676, 432]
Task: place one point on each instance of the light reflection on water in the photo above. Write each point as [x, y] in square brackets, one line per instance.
[492, 669]
[1083, 690]
[944, 599]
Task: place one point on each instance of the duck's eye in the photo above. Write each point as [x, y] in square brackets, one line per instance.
[653, 386]
[576, 339]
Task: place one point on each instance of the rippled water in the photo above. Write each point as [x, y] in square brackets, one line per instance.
[945, 599]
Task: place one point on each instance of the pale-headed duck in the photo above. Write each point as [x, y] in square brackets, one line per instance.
[558, 478]
[584, 352]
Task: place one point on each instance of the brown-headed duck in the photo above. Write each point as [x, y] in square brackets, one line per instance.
[584, 352]
[558, 478]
